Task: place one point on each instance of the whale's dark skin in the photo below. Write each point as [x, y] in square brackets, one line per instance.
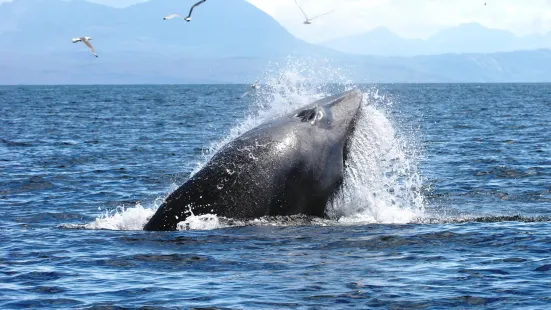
[290, 165]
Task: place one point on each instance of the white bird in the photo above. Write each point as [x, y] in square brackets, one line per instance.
[308, 21]
[171, 16]
[86, 40]
[254, 86]
[188, 18]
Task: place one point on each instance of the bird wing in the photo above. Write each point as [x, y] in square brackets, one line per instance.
[172, 16]
[193, 6]
[89, 46]
[321, 15]
[301, 9]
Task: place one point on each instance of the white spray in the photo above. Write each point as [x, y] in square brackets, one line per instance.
[381, 183]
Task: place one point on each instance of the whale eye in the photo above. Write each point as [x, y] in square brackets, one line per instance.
[307, 115]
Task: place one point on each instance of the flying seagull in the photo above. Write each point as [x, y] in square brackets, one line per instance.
[254, 86]
[188, 18]
[86, 40]
[308, 21]
[171, 16]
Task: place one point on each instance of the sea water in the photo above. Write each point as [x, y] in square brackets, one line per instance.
[446, 201]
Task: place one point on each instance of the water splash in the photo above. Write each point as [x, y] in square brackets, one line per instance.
[122, 218]
[201, 222]
[381, 185]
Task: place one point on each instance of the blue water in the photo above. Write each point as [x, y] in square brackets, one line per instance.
[466, 223]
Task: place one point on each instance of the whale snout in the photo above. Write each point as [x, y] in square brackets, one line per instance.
[344, 108]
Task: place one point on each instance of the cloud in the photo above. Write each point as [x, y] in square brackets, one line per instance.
[408, 18]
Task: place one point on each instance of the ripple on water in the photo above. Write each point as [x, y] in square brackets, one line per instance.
[173, 261]
[44, 303]
[47, 289]
[33, 277]
[543, 268]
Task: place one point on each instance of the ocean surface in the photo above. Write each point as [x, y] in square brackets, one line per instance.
[446, 201]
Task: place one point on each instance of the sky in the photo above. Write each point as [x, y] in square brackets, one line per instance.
[407, 18]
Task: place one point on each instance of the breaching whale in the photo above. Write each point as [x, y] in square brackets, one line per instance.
[290, 165]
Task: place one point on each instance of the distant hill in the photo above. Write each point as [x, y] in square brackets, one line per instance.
[465, 38]
[228, 41]
[521, 66]
[229, 28]
[525, 66]
[135, 44]
[378, 42]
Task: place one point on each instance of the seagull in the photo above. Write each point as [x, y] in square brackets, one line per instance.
[171, 16]
[188, 17]
[254, 86]
[308, 21]
[86, 40]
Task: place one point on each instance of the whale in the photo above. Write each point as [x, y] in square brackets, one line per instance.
[292, 164]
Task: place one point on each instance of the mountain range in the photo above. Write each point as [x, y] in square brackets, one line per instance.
[464, 38]
[229, 41]
[229, 28]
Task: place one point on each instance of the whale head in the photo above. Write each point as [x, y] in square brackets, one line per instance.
[336, 114]
[330, 123]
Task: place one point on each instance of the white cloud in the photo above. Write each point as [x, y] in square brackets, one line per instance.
[409, 18]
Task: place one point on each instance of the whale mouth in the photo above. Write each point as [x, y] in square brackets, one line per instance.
[346, 154]
[350, 135]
